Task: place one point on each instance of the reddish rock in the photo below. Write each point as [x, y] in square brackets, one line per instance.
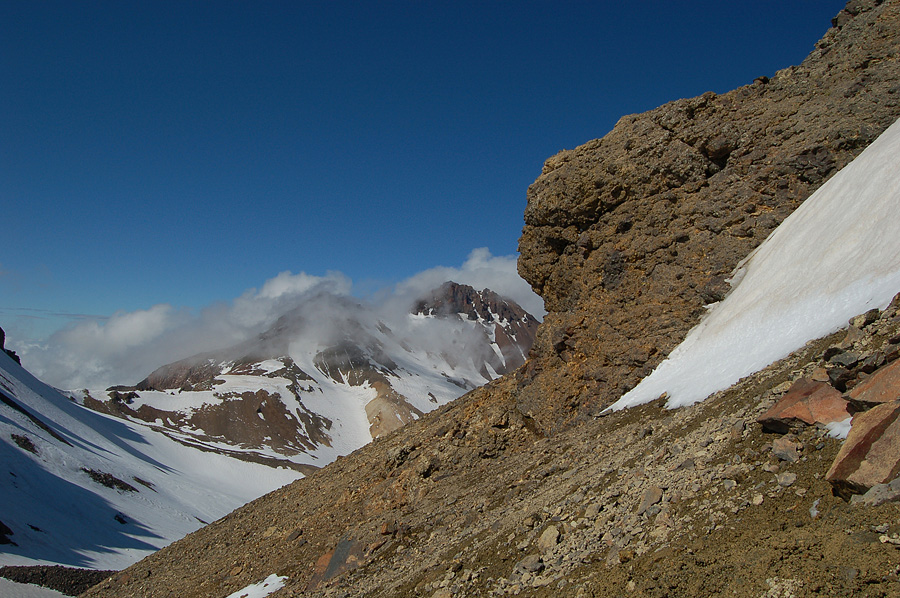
[870, 454]
[347, 555]
[881, 387]
[807, 402]
[786, 449]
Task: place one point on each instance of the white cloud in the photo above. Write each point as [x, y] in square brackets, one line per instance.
[481, 270]
[127, 346]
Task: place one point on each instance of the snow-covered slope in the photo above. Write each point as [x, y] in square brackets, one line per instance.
[836, 256]
[85, 489]
[329, 376]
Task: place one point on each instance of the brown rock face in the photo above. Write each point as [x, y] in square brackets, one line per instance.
[806, 403]
[628, 236]
[870, 454]
[881, 387]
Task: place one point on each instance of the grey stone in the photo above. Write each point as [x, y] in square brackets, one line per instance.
[652, 495]
[548, 539]
[533, 563]
[879, 494]
[786, 450]
[786, 478]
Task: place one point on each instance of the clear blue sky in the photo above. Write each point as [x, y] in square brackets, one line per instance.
[183, 152]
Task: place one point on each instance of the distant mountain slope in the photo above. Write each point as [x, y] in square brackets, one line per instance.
[87, 490]
[329, 376]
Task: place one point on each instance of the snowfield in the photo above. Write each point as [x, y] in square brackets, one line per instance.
[836, 256]
[152, 489]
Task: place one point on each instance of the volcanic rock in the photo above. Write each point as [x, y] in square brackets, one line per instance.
[870, 454]
[806, 403]
[628, 236]
[881, 387]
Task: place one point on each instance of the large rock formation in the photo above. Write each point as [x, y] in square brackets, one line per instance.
[627, 237]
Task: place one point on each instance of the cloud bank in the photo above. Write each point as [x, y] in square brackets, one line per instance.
[125, 347]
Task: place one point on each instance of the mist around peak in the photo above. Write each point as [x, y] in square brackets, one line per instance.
[127, 346]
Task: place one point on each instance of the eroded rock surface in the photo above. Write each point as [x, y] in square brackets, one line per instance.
[628, 236]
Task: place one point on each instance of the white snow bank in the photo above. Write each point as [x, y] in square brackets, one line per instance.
[839, 429]
[261, 589]
[12, 589]
[836, 256]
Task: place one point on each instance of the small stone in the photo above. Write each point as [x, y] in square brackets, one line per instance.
[819, 375]
[785, 449]
[531, 563]
[880, 494]
[652, 495]
[294, 535]
[757, 500]
[786, 479]
[729, 484]
[592, 511]
[548, 539]
[847, 359]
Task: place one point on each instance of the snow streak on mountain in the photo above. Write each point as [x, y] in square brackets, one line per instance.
[87, 490]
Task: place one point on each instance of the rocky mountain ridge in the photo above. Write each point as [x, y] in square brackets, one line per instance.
[328, 376]
[521, 487]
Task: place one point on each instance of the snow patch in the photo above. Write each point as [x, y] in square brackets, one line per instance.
[839, 429]
[836, 256]
[262, 589]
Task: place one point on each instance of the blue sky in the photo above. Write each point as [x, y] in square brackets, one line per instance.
[184, 152]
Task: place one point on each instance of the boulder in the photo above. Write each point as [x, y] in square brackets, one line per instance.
[879, 494]
[806, 403]
[870, 454]
[548, 539]
[881, 387]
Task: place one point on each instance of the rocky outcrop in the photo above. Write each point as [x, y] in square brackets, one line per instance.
[9, 352]
[808, 402]
[627, 237]
[871, 453]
